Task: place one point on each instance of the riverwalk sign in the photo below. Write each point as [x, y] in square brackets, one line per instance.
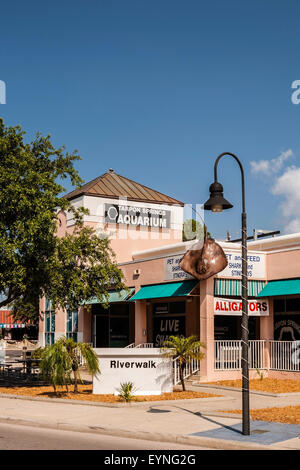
[146, 368]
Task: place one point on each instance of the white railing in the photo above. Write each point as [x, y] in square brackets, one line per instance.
[228, 355]
[132, 345]
[145, 345]
[81, 360]
[285, 355]
[191, 368]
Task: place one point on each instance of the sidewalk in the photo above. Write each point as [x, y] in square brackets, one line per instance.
[195, 422]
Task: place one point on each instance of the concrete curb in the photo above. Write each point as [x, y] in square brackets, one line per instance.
[252, 392]
[113, 405]
[220, 444]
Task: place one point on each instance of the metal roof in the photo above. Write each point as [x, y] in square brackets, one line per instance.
[112, 185]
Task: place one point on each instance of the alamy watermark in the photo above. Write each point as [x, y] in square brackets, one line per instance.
[295, 98]
[2, 92]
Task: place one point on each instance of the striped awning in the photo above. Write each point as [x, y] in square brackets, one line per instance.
[7, 321]
[233, 287]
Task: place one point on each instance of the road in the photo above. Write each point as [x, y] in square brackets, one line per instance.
[18, 437]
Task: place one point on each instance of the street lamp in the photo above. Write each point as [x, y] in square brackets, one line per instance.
[217, 203]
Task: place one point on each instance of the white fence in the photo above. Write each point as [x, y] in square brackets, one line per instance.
[81, 360]
[285, 355]
[228, 355]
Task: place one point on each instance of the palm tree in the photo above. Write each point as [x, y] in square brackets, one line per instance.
[60, 360]
[185, 349]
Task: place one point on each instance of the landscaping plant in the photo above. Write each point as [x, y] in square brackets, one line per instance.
[185, 350]
[126, 391]
[260, 374]
[37, 353]
[60, 362]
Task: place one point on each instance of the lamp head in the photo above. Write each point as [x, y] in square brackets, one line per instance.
[216, 202]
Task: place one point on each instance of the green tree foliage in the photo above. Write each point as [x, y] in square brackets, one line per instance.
[60, 362]
[184, 349]
[34, 262]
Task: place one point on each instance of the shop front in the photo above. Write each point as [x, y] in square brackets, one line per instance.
[171, 310]
[112, 326]
[286, 306]
[228, 309]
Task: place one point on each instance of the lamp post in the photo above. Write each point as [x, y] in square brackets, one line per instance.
[217, 203]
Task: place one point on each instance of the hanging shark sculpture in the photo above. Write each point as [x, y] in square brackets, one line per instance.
[203, 263]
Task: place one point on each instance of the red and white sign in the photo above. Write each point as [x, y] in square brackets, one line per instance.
[256, 308]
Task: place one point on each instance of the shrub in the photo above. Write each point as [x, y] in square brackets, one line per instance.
[126, 391]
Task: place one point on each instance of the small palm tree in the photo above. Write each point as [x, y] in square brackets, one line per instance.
[185, 349]
[126, 391]
[61, 360]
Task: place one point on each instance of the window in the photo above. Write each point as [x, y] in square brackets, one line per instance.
[49, 324]
[72, 324]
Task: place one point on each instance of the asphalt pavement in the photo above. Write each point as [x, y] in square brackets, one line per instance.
[19, 437]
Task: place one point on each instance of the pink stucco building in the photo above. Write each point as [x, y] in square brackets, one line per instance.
[145, 228]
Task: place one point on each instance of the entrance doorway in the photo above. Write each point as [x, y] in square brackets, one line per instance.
[110, 327]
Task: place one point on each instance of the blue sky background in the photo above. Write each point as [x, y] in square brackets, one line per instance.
[157, 89]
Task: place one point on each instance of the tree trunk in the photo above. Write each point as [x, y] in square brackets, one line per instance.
[181, 369]
[75, 382]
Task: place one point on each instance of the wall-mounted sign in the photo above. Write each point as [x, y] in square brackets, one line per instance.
[256, 308]
[138, 216]
[173, 270]
[256, 267]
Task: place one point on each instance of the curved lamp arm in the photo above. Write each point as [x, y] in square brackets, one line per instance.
[242, 174]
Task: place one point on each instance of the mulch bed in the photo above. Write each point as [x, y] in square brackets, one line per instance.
[85, 393]
[287, 414]
[265, 385]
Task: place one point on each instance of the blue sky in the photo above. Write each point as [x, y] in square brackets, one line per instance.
[157, 89]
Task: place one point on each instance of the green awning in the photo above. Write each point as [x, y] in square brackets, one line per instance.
[284, 287]
[113, 296]
[234, 287]
[170, 289]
